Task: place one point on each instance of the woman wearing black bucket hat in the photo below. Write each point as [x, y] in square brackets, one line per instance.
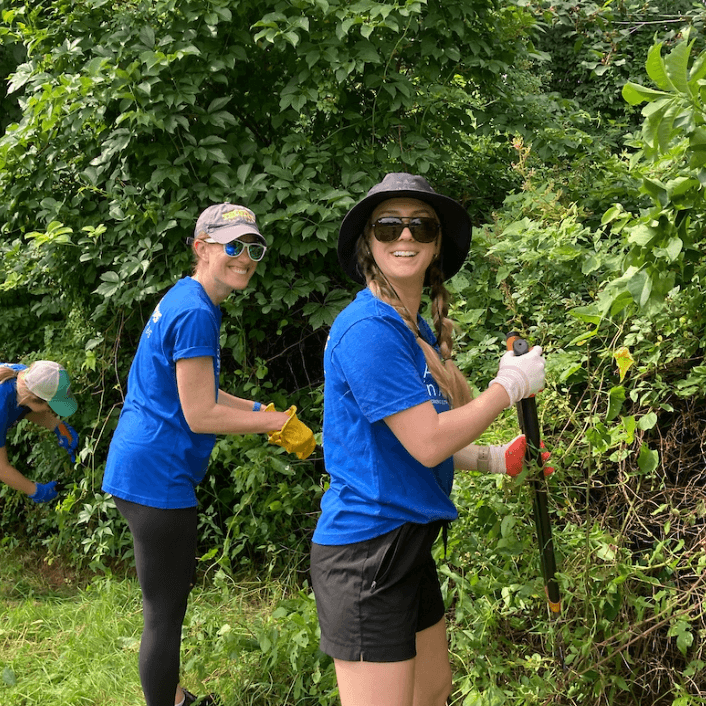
[398, 418]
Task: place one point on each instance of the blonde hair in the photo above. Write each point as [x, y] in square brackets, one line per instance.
[7, 373]
[450, 379]
[24, 394]
[195, 256]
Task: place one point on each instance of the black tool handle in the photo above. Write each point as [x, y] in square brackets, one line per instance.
[529, 425]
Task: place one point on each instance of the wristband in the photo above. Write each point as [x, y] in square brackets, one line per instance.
[256, 406]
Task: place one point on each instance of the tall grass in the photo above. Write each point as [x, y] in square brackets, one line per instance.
[73, 640]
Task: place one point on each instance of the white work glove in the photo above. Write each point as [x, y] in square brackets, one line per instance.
[521, 375]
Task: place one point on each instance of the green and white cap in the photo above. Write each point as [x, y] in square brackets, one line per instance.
[50, 381]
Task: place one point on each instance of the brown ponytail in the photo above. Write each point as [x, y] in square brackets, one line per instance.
[451, 381]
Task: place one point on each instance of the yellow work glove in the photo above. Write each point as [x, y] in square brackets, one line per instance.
[294, 436]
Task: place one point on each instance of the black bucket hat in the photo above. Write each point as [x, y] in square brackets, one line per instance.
[455, 222]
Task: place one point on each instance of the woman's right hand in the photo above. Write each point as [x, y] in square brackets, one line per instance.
[521, 375]
[279, 419]
[44, 492]
[294, 436]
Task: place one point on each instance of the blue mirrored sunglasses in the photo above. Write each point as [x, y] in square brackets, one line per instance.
[256, 251]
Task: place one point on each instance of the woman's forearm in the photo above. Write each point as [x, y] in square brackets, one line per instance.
[12, 477]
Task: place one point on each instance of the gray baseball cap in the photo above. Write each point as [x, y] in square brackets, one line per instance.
[224, 222]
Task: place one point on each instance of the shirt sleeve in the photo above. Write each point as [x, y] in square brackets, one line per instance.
[380, 361]
[195, 334]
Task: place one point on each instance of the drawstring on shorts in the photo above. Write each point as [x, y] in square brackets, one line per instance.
[445, 534]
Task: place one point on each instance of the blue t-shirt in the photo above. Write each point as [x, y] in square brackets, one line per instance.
[154, 458]
[10, 411]
[374, 368]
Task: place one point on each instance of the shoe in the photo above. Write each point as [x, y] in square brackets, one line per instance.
[209, 700]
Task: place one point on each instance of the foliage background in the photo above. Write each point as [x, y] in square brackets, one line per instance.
[574, 134]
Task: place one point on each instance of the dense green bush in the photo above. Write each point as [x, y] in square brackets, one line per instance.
[133, 119]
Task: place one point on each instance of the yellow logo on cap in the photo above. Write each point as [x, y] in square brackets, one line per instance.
[239, 213]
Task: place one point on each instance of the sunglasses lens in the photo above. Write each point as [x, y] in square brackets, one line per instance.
[256, 251]
[235, 247]
[424, 230]
[387, 229]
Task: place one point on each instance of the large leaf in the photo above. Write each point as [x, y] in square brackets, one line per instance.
[676, 66]
[656, 69]
[635, 94]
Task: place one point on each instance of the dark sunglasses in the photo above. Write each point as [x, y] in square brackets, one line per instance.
[389, 228]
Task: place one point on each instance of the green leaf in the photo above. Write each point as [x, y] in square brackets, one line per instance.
[640, 287]
[223, 178]
[218, 103]
[292, 38]
[641, 234]
[366, 52]
[147, 36]
[657, 190]
[605, 551]
[244, 172]
[635, 94]
[628, 424]
[698, 71]
[656, 69]
[647, 460]
[647, 421]
[674, 247]
[665, 128]
[588, 314]
[614, 212]
[685, 637]
[211, 140]
[218, 155]
[8, 677]
[616, 398]
[675, 66]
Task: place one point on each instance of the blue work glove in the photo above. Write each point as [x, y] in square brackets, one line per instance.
[68, 439]
[44, 492]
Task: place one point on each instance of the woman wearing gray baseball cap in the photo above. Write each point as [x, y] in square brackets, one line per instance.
[40, 393]
[167, 429]
[398, 418]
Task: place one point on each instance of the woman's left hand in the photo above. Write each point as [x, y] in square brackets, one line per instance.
[67, 437]
[514, 454]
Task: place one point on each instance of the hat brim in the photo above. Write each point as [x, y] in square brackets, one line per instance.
[455, 229]
[227, 235]
[63, 406]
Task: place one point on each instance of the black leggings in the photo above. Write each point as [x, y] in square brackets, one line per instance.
[165, 557]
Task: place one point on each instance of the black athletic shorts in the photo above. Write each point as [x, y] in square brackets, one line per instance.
[372, 597]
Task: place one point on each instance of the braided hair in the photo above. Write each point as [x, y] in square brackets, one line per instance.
[451, 381]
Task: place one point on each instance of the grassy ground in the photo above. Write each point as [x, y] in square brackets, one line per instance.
[73, 640]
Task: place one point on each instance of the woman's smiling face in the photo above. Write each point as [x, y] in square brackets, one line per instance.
[404, 259]
[221, 274]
